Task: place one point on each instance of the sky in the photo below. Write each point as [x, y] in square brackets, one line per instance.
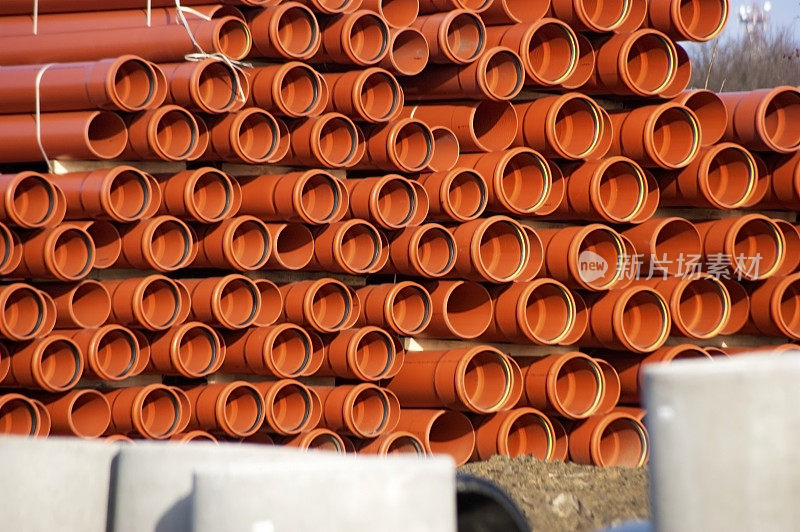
[783, 13]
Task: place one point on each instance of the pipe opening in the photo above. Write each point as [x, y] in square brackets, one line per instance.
[129, 195]
[396, 202]
[468, 310]
[578, 386]
[409, 52]
[504, 74]
[404, 444]
[244, 410]
[216, 86]
[258, 136]
[413, 146]
[370, 411]
[494, 125]
[675, 137]
[360, 247]
[18, 416]
[525, 181]
[711, 114]
[238, 302]
[271, 303]
[789, 309]
[291, 351]
[435, 251]
[298, 31]
[605, 14]
[160, 303]
[89, 414]
[212, 195]
[486, 381]
[33, 200]
[758, 249]
[250, 244]
[622, 189]
[608, 246]
[466, 37]
[529, 434]
[106, 135]
[380, 96]
[23, 312]
[294, 246]
[552, 52]
[399, 13]
[60, 364]
[549, 312]
[644, 320]
[451, 433]
[781, 115]
[445, 150]
[73, 254]
[650, 63]
[731, 176]
[170, 244]
[90, 304]
[675, 238]
[198, 350]
[233, 39]
[703, 307]
[502, 250]
[466, 194]
[369, 38]
[331, 306]
[134, 85]
[577, 127]
[623, 442]
[159, 412]
[176, 134]
[291, 408]
[411, 309]
[116, 352]
[107, 243]
[338, 140]
[299, 89]
[703, 19]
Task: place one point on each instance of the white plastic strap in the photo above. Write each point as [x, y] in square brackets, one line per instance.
[36, 17]
[149, 13]
[39, 116]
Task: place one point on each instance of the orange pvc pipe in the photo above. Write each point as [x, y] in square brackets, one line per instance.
[602, 17]
[614, 439]
[396, 13]
[121, 194]
[30, 200]
[152, 302]
[365, 354]
[404, 308]
[65, 252]
[329, 140]
[405, 145]
[548, 48]
[518, 181]
[111, 352]
[522, 431]
[82, 413]
[710, 111]
[541, 312]
[86, 304]
[207, 86]
[352, 247]
[231, 302]
[722, 176]
[442, 379]
[457, 195]
[291, 89]
[205, 195]
[163, 243]
[758, 119]
[454, 36]
[570, 385]
[408, 52]
[389, 202]
[241, 243]
[325, 305]
[368, 95]
[441, 431]
[774, 306]
[236, 408]
[751, 247]
[287, 406]
[427, 250]
[667, 245]
[399, 442]
[125, 83]
[491, 249]
[591, 257]
[359, 38]
[169, 133]
[284, 351]
[285, 31]
[567, 126]
[499, 12]
[363, 410]
[459, 309]
[53, 363]
[696, 20]
[191, 350]
[585, 65]
[611, 190]
[636, 318]
[700, 305]
[292, 247]
[478, 126]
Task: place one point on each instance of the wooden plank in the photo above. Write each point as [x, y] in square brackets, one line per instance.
[137, 380]
[517, 350]
[693, 213]
[286, 276]
[233, 377]
[272, 169]
[61, 166]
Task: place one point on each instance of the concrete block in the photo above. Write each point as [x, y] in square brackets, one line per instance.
[54, 484]
[335, 494]
[153, 480]
[725, 437]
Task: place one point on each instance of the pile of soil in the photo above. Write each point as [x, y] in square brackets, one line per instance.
[557, 496]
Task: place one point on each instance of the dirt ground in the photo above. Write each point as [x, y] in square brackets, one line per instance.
[568, 497]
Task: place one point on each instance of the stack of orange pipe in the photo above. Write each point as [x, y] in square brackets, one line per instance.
[489, 180]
